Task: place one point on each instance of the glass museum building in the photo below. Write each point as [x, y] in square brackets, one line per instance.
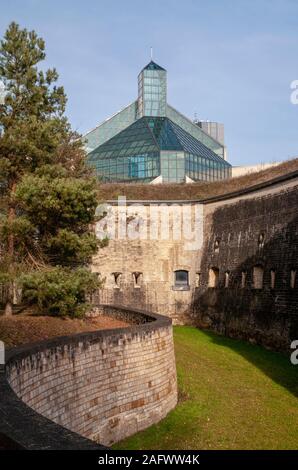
[149, 141]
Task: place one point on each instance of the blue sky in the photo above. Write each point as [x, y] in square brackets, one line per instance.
[227, 60]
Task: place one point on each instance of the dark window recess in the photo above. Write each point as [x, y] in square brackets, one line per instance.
[117, 279]
[181, 278]
[272, 278]
[293, 278]
[137, 279]
[243, 279]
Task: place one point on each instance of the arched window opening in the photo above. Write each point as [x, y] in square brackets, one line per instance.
[258, 275]
[213, 277]
[181, 278]
[198, 279]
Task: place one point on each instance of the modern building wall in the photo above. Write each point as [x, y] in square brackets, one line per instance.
[214, 129]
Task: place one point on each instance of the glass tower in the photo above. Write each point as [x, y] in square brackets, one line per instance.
[152, 88]
[150, 139]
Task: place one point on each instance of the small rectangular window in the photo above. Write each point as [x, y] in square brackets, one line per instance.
[181, 278]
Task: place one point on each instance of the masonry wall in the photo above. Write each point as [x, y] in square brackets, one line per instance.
[103, 385]
[154, 253]
[258, 230]
[267, 316]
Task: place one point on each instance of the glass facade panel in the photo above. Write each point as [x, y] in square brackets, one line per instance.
[164, 134]
[131, 155]
[172, 166]
[198, 168]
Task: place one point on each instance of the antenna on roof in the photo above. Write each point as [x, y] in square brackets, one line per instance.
[151, 52]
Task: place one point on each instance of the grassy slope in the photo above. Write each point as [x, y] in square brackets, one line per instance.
[198, 190]
[233, 396]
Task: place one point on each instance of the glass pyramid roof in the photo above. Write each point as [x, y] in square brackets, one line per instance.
[164, 134]
[152, 134]
[153, 66]
[137, 139]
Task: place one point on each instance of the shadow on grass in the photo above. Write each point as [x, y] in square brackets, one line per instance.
[275, 365]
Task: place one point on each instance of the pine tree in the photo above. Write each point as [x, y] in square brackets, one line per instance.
[48, 197]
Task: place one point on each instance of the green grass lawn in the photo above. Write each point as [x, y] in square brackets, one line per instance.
[233, 395]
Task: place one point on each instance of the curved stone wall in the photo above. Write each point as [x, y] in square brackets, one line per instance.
[104, 385]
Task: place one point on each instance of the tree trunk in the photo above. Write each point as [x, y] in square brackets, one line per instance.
[10, 252]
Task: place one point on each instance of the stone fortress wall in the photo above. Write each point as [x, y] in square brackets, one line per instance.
[138, 267]
[250, 255]
[104, 385]
[248, 234]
